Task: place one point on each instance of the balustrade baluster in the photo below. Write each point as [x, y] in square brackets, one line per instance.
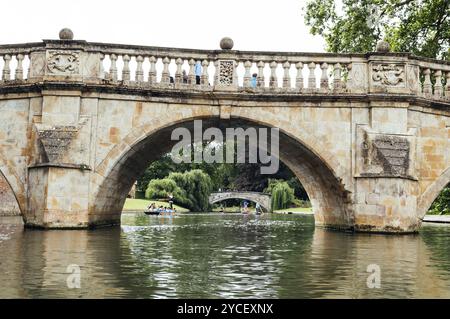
[273, 83]
[179, 71]
[113, 67]
[324, 76]
[247, 75]
[260, 79]
[152, 71]
[6, 75]
[438, 90]
[427, 90]
[299, 79]
[19, 69]
[337, 82]
[216, 72]
[29, 66]
[312, 76]
[191, 75]
[235, 75]
[165, 75]
[204, 78]
[102, 69]
[139, 69]
[286, 76]
[126, 68]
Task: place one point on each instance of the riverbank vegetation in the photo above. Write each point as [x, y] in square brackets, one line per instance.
[133, 204]
[191, 183]
[441, 205]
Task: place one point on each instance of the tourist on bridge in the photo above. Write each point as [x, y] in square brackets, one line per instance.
[258, 209]
[253, 80]
[185, 77]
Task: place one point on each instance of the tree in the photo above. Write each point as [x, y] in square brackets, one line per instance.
[161, 188]
[196, 186]
[418, 26]
[282, 194]
[190, 189]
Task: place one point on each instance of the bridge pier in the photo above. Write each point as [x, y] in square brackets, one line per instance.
[58, 197]
[387, 205]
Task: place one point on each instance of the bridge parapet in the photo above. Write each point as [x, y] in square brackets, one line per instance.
[145, 67]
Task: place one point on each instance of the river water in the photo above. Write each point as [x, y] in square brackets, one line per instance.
[222, 256]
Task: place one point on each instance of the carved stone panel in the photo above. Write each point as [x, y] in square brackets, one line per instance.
[388, 74]
[63, 62]
[55, 141]
[226, 72]
[385, 155]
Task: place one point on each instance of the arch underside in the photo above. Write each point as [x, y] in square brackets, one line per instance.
[432, 192]
[8, 202]
[325, 191]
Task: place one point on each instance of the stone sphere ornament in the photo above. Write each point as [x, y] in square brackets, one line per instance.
[383, 46]
[66, 34]
[226, 43]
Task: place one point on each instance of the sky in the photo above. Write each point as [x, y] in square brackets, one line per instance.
[259, 25]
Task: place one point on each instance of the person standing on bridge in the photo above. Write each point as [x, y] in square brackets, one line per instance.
[253, 80]
[258, 209]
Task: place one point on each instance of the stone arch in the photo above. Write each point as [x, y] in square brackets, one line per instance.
[316, 168]
[261, 198]
[12, 195]
[432, 192]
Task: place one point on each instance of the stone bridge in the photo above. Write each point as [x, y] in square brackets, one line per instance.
[366, 134]
[263, 199]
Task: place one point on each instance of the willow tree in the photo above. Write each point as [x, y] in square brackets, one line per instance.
[282, 194]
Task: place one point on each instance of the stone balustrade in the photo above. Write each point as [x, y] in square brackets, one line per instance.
[224, 70]
[15, 61]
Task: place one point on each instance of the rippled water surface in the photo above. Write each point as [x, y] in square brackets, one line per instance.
[222, 256]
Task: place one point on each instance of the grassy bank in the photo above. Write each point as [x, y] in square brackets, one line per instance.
[132, 204]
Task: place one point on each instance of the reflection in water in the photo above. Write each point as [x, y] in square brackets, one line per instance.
[222, 256]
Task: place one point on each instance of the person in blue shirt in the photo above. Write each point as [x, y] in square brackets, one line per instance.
[253, 80]
[198, 72]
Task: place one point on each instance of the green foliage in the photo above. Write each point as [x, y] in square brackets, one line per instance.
[161, 188]
[418, 26]
[282, 194]
[190, 189]
[441, 205]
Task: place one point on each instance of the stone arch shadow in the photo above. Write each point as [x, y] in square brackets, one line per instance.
[316, 170]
